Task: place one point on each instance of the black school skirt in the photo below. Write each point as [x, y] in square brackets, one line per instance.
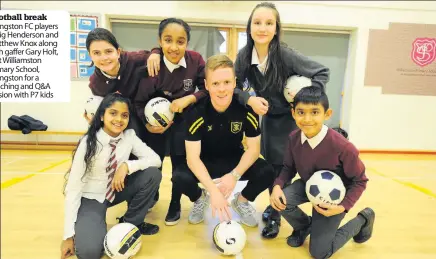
[171, 142]
[275, 131]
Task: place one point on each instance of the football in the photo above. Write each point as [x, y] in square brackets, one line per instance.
[294, 85]
[325, 187]
[229, 238]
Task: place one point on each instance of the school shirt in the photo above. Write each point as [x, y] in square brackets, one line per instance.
[295, 63]
[133, 67]
[328, 150]
[221, 133]
[93, 185]
[173, 81]
[255, 61]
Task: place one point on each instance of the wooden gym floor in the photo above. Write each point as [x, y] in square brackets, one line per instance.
[401, 190]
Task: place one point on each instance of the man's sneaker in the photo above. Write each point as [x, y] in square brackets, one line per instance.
[173, 215]
[245, 211]
[197, 213]
[296, 239]
[365, 232]
[144, 228]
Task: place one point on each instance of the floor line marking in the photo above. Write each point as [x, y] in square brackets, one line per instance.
[405, 183]
[16, 180]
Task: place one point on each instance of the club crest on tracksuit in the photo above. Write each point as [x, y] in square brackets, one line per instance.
[235, 126]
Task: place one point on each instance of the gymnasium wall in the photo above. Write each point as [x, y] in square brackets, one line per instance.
[374, 120]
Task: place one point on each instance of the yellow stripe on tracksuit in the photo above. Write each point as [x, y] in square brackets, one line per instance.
[196, 125]
[252, 120]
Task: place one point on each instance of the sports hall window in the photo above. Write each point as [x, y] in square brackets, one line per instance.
[137, 35]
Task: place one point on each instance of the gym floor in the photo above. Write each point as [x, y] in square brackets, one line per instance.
[401, 190]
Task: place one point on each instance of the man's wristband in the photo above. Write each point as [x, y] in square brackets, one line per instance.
[236, 175]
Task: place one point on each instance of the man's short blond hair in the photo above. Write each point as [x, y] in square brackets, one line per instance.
[219, 61]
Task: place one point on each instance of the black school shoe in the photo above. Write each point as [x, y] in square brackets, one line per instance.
[297, 238]
[271, 230]
[173, 215]
[365, 232]
[144, 227]
[266, 214]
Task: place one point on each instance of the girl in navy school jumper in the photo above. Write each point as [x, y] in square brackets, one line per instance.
[87, 196]
[265, 65]
[118, 71]
[181, 73]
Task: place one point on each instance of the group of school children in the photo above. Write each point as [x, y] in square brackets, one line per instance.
[121, 155]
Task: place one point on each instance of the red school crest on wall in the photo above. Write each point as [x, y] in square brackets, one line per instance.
[424, 51]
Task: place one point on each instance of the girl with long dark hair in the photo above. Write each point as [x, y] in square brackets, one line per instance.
[101, 176]
[264, 65]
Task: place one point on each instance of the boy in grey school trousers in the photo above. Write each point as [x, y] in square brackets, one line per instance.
[311, 148]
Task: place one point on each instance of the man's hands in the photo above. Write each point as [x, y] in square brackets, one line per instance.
[220, 206]
[226, 184]
[258, 104]
[218, 198]
[67, 248]
[278, 199]
[153, 64]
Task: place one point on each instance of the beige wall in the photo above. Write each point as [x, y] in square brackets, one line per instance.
[375, 121]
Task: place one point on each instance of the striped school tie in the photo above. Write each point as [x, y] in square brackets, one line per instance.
[110, 170]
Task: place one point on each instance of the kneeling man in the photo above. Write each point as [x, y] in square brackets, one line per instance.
[215, 127]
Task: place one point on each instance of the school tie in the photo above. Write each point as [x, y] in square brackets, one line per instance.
[110, 170]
